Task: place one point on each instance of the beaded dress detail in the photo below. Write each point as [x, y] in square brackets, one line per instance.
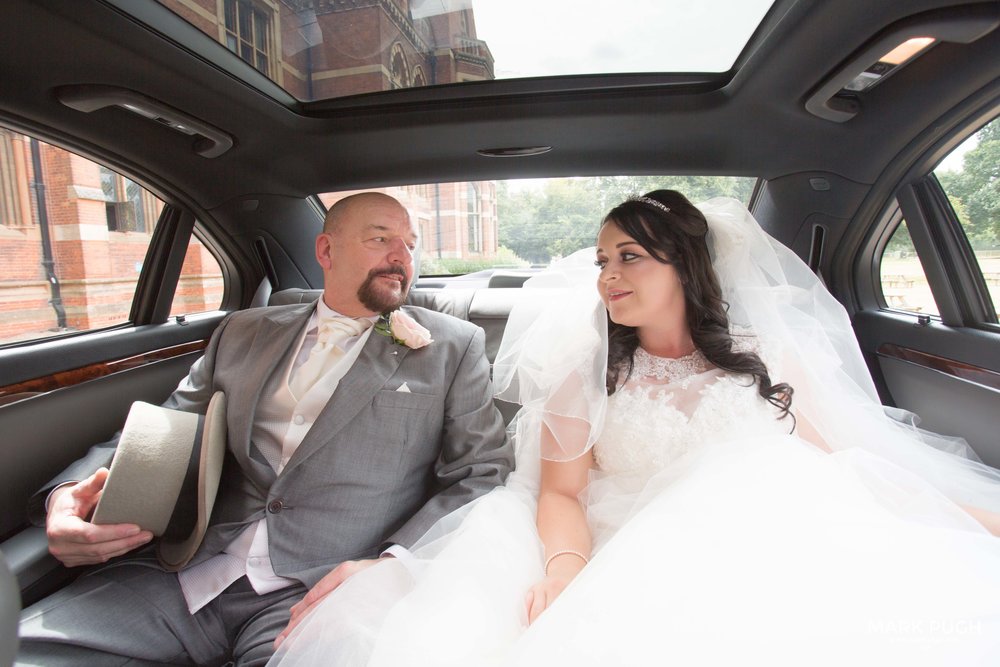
[668, 406]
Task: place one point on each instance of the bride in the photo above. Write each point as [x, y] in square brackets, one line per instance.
[705, 476]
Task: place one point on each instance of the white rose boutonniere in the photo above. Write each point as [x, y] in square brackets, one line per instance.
[403, 330]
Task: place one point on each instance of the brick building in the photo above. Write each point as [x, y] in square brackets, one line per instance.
[98, 224]
[319, 49]
[74, 228]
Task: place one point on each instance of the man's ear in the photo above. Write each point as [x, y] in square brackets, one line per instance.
[324, 250]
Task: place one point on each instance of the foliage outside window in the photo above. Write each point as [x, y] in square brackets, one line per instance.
[973, 188]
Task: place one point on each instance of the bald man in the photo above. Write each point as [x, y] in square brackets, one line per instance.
[327, 469]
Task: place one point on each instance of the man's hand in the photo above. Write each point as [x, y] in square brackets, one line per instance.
[543, 594]
[323, 587]
[73, 540]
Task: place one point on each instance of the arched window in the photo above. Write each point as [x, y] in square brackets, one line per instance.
[418, 77]
[398, 71]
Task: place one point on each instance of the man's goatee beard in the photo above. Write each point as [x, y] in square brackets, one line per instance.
[377, 300]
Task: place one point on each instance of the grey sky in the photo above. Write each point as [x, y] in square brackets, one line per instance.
[547, 37]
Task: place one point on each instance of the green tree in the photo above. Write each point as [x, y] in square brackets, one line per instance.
[562, 215]
[616, 189]
[554, 221]
[975, 190]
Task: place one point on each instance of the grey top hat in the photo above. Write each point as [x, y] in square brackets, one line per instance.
[165, 476]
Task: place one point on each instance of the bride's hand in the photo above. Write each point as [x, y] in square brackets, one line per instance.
[323, 587]
[543, 594]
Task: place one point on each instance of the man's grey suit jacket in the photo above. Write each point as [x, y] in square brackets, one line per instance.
[378, 467]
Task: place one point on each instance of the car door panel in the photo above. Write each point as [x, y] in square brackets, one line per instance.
[46, 430]
[947, 403]
[945, 368]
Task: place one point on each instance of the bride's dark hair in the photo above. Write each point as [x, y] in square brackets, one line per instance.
[678, 237]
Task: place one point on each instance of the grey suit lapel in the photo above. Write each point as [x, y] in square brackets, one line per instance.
[271, 346]
[376, 363]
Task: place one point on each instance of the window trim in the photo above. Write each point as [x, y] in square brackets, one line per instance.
[895, 219]
[225, 254]
[157, 285]
[952, 272]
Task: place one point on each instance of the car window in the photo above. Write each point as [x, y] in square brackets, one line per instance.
[201, 287]
[904, 282]
[970, 176]
[520, 224]
[324, 50]
[73, 238]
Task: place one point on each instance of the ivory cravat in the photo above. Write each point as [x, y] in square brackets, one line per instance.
[326, 352]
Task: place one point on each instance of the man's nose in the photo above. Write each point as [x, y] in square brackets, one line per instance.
[399, 252]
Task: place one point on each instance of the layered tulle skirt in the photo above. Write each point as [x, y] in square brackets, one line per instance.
[758, 551]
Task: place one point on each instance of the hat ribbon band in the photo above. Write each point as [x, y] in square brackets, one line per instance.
[185, 514]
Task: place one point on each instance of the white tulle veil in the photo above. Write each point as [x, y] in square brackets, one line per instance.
[553, 359]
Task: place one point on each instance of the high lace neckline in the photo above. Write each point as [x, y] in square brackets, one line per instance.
[649, 366]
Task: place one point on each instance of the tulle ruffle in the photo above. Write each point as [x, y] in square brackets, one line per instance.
[753, 551]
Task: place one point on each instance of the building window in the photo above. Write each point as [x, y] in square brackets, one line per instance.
[418, 77]
[125, 205]
[475, 224]
[10, 205]
[248, 33]
[398, 72]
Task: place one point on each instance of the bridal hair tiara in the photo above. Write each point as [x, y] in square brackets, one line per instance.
[652, 202]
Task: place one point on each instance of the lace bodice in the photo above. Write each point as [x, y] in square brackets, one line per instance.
[670, 406]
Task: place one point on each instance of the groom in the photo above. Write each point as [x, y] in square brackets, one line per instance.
[332, 462]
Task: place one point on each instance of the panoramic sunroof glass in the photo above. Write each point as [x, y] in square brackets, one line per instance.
[321, 49]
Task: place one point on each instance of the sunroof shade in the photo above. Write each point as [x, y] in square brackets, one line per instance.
[322, 49]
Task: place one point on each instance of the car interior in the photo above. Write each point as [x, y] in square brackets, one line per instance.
[209, 108]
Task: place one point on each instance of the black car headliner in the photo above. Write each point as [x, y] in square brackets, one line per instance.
[749, 121]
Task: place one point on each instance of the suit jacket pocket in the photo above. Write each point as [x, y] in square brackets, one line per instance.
[387, 398]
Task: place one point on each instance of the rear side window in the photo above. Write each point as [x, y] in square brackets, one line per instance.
[468, 227]
[971, 179]
[904, 282]
[73, 238]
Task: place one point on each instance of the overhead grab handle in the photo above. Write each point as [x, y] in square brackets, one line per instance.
[838, 97]
[208, 141]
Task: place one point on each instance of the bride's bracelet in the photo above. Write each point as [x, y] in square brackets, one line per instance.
[564, 552]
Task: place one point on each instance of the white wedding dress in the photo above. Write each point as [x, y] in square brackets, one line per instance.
[719, 538]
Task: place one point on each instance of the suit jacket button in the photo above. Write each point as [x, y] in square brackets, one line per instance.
[275, 506]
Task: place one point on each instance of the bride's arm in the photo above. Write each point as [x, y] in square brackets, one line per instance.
[562, 526]
[805, 430]
[989, 520]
